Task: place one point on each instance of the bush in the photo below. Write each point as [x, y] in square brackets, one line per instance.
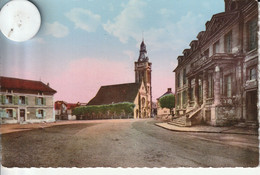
[118, 110]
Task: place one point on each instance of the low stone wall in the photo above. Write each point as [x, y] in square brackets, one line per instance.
[226, 115]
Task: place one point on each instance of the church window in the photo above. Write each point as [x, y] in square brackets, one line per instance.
[228, 42]
[143, 101]
[252, 34]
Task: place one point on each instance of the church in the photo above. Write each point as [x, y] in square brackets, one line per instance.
[139, 93]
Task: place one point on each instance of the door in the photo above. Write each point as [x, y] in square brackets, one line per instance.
[22, 115]
[251, 105]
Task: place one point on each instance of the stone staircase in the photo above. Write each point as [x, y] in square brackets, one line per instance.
[194, 112]
[185, 120]
[180, 121]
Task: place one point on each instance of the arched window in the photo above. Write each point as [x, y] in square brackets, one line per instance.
[143, 101]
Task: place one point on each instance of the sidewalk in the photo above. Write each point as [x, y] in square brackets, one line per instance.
[209, 129]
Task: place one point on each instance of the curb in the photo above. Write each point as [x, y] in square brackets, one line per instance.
[219, 132]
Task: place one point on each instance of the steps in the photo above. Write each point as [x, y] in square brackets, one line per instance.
[180, 121]
[194, 113]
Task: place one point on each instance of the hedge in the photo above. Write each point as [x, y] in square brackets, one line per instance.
[117, 110]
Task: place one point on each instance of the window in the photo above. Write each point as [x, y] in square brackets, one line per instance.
[184, 76]
[143, 101]
[210, 86]
[216, 47]
[40, 101]
[9, 113]
[252, 73]
[178, 99]
[228, 86]
[252, 29]
[184, 98]
[228, 42]
[206, 53]
[192, 94]
[178, 80]
[22, 100]
[9, 99]
[40, 113]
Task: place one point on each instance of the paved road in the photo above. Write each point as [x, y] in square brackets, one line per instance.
[126, 143]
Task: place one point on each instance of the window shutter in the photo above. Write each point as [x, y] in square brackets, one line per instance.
[1, 99]
[36, 100]
[37, 113]
[26, 100]
[1, 113]
[44, 113]
[44, 101]
[4, 99]
[5, 114]
[14, 113]
[16, 100]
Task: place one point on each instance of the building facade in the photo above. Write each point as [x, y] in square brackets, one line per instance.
[163, 112]
[139, 92]
[25, 101]
[216, 78]
[63, 110]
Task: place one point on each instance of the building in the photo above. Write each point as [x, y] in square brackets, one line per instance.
[63, 110]
[163, 112]
[139, 92]
[25, 101]
[216, 78]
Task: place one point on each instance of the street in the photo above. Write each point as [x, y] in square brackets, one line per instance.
[125, 143]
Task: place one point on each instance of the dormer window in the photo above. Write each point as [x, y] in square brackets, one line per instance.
[228, 42]
[233, 6]
[206, 53]
[216, 47]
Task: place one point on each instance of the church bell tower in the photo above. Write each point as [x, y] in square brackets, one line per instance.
[143, 71]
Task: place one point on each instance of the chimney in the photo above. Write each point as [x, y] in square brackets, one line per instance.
[169, 90]
[48, 84]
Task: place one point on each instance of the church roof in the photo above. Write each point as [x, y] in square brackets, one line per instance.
[116, 94]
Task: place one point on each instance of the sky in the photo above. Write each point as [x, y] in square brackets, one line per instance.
[84, 44]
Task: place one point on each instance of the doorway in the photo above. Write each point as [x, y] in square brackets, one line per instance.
[251, 105]
[22, 115]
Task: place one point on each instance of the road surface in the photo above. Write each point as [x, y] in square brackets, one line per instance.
[125, 143]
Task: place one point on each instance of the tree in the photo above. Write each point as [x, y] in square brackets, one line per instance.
[167, 101]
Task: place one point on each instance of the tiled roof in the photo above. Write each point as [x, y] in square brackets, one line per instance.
[116, 94]
[166, 93]
[21, 85]
[68, 105]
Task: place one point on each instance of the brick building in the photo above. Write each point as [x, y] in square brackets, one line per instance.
[216, 78]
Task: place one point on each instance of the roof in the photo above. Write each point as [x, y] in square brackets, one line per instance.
[21, 85]
[116, 94]
[166, 93]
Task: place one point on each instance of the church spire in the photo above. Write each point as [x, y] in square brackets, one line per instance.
[143, 53]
